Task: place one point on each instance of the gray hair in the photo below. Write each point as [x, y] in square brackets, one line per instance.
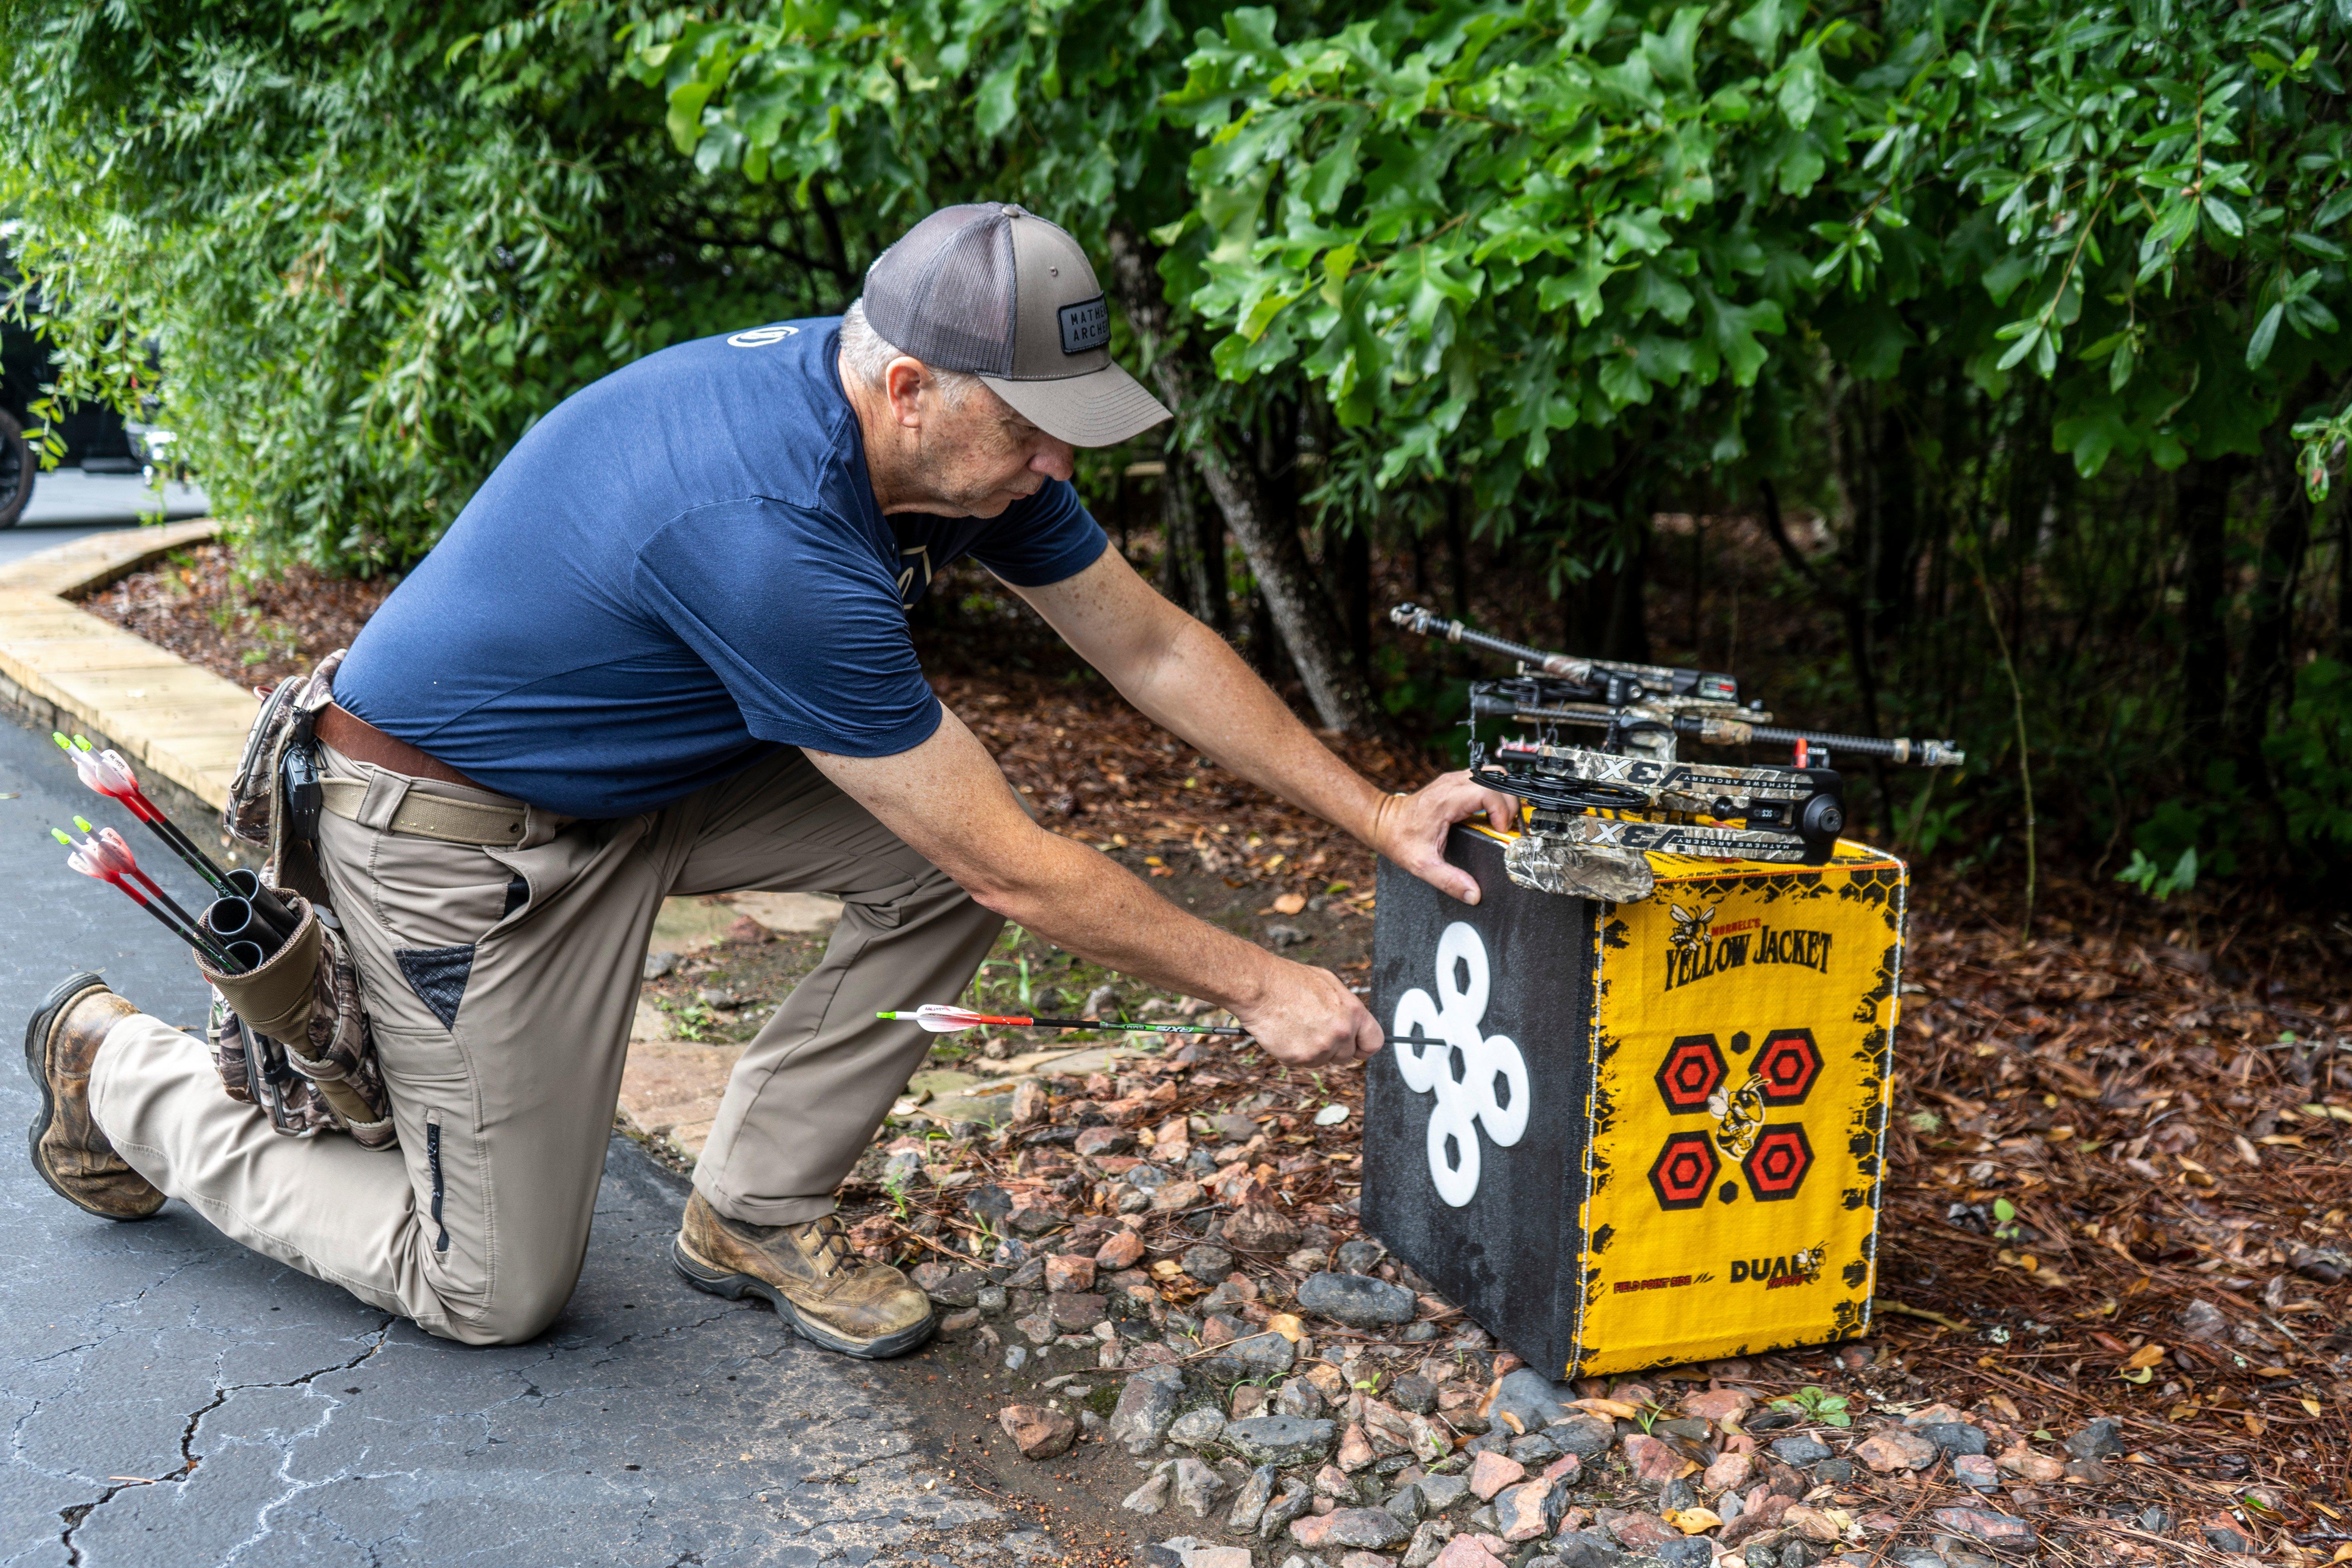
[866, 354]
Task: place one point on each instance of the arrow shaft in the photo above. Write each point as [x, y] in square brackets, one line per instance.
[186, 933]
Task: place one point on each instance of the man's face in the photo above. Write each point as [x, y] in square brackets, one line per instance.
[979, 458]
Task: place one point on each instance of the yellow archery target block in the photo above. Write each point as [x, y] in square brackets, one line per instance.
[1741, 1030]
[1628, 1135]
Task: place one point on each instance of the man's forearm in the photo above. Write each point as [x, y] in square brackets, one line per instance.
[1199, 689]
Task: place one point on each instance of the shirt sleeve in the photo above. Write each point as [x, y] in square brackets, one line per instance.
[1049, 538]
[798, 619]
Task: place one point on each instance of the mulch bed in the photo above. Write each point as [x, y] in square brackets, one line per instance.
[254, 633]
[2119, 1178]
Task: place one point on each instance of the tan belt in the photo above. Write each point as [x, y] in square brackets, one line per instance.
[431, 815]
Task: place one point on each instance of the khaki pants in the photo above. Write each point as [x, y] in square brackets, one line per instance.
[502, 983]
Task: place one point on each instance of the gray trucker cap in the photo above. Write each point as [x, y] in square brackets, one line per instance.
[1009, 297]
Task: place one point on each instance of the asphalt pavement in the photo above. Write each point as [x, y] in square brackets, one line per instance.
[171, 1398]
[68, 504]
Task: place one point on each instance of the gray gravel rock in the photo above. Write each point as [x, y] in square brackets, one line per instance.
[991, 1299]
[1586, 1437]
[1535, 1450]
[1372, 1529]
[1146, 1406]
[1798, 1450]
[1295, 1498]
[1249, 1503]
[1691, 1551]
[1198, 1486]
[1265, 1354]
[1442, 1493]
[1209, 1265]
[1535, 1399]
[1355, 1300]
[1955, 1437]
[962, 1289]
[1360, 1256]
[1427, 1543]
[2102, 1439]
[1196, 1428]
[1405, 1502]
[1298, 1396]
[1414, 1392]
[1590, 1549]
[1152, 1495]
[1281, 1439]
[1675, 1495]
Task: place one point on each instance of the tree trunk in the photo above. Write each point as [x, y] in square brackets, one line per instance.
[1355, 551]
[2202, 500]
[1342, 700]
[2271, 621]
[1628, 637]
[1194, 574]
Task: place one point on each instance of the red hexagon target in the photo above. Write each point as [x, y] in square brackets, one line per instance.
[1787, 1065]
[1775, 1166]
[1684, 1170]
[1691, 1071]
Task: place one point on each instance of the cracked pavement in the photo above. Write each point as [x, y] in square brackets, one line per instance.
[170, 1398]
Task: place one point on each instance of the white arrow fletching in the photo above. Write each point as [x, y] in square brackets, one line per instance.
[942, 1020]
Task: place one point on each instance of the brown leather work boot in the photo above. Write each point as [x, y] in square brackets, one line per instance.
[809, 1275]
[68, 1150]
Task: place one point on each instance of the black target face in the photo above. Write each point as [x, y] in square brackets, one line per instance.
[1691, 1071]
[1788, 1065]
[1684, 1170]
[1776, 1167]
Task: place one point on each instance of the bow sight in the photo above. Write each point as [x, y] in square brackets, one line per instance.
[1597, 810]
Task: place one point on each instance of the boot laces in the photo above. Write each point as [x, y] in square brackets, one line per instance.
[827, 1245]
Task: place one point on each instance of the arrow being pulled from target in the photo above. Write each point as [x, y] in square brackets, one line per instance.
[942, 1020]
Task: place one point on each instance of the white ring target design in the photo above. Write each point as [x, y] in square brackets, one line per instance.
[1479, 1079]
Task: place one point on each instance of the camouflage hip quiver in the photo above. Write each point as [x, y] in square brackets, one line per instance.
[291, 1035]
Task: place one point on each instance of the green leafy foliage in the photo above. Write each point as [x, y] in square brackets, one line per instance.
[1815, 1404]
[369, 243]
[1480, 228]
[2038, 307]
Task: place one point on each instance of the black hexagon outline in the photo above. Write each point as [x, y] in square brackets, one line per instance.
[1764, 1084]
[1674, 1053]
[1674, 1144]
[1767, 1135]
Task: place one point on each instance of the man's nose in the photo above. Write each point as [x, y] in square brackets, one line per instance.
[1055, 459]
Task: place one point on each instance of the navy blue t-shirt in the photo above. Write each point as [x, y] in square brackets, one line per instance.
[679, 567]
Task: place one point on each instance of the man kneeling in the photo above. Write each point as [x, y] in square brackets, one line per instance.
[664, 652]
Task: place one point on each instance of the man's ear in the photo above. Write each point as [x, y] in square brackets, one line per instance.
[907, 384]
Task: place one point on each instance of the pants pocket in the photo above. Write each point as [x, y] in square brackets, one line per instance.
[434, 1102]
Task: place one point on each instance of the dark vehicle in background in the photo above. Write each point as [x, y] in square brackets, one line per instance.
[95, 437]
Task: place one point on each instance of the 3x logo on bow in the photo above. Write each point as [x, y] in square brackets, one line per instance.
[1480, 1079]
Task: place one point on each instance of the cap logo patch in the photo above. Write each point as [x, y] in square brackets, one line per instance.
[1085, 326]
[760, 337]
